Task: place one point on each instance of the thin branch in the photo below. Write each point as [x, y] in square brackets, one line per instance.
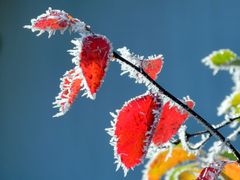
[203, 142]
[195, 115]
[221, 125]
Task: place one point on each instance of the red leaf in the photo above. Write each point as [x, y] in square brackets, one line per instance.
[94, 58]
[70, 87]
[171, 119]
[132, 130]
[213, 171]
[54, 20]
[153, 66]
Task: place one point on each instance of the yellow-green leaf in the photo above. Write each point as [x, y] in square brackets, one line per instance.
[185, 172]
[160, 165]
[222, 57]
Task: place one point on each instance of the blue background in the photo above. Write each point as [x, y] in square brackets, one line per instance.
[35, 146]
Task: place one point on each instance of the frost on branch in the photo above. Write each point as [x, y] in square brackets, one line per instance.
[70, 86]
[92, 54]
[152, 65]
[54, 20]
[170, 121]
[132, 130]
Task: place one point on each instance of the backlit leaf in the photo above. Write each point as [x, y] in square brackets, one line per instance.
[132, 130]
[171, 119]
[92, 54]
[159, 165]
[229, 156]
[184, 172]
[70, 87]
[153, 66]
[223, 59]
[54, 20]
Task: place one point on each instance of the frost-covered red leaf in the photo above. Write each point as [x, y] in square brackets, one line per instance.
[170, 121]
[54, 20]
[92, 54]
[152, 65]
[132, 130]
[70, 87]
[212, 171]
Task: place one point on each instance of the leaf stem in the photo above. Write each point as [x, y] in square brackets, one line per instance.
[195, 115]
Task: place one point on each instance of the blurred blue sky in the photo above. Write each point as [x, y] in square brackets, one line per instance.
[34, 146]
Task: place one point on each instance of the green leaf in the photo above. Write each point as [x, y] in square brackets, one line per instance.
[228, 155]
[235, 100]
[223, 57]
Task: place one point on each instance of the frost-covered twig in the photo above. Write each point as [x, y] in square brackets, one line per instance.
[195, 115]
[218, 126]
